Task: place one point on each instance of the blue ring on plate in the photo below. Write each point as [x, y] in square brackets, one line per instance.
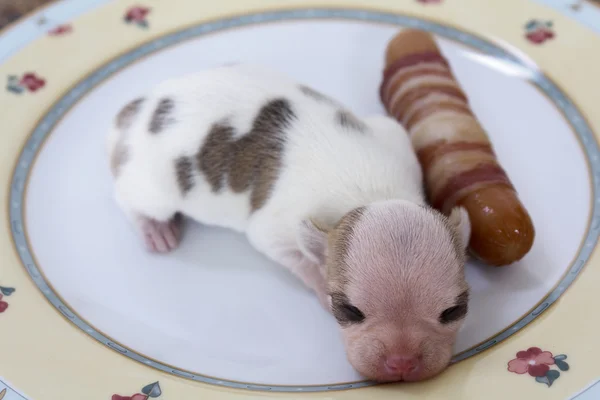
[45, 126]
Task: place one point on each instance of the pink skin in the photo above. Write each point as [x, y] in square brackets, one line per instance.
[402, 266]
[305, 268]
[160, 236]
[312, 277]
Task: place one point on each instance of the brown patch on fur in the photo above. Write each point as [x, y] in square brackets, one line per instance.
[251, 162]
[126, 116]
[123, 121]
[185, 174]
[339, 243]
[214, 158]
[349, 121]
[162, 115]
[314, 94]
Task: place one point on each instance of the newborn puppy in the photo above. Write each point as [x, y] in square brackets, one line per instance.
[336, 199]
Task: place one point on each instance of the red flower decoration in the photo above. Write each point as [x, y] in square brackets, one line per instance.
[137, 396]
[540, 36]
[32, 82]
[538, 32]
[60, 30]
[534, 361]
[137, 14]
[429, 1]
[3, 305]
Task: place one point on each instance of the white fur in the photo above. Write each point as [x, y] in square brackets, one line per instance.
[327, 169]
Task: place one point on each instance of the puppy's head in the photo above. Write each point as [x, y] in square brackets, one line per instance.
[396, 281]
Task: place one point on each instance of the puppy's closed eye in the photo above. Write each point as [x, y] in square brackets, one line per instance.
[456, 312]
[453, 314]
[343, 311]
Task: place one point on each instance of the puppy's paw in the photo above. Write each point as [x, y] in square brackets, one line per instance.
[161, 236]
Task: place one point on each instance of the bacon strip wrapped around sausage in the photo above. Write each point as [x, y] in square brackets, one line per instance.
[458, 161]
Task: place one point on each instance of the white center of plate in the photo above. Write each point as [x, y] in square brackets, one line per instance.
[218, 308]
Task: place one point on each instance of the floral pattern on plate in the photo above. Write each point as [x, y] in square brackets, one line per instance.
[29, 81]
[5, 291]
[151, 390]
[538, 32]
[61, 30]
[137, 15]
[536, 363]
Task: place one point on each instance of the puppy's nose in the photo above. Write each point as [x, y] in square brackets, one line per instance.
[403, 365]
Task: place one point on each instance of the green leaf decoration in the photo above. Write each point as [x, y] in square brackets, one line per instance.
[531, 25]
[15, 89]
[152, 390]
[7, 291]
[562, 365]
[549, 378]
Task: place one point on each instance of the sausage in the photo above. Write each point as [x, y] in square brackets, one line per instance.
[459, 164]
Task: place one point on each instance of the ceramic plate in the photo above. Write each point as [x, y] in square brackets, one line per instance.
[86, 312]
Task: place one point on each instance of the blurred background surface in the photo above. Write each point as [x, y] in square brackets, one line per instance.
[12, 10]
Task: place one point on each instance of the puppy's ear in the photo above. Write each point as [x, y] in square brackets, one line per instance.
[312, 240]
[459, 220]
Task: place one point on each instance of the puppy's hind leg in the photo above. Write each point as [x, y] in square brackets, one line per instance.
[161, 236]
[159, 227]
